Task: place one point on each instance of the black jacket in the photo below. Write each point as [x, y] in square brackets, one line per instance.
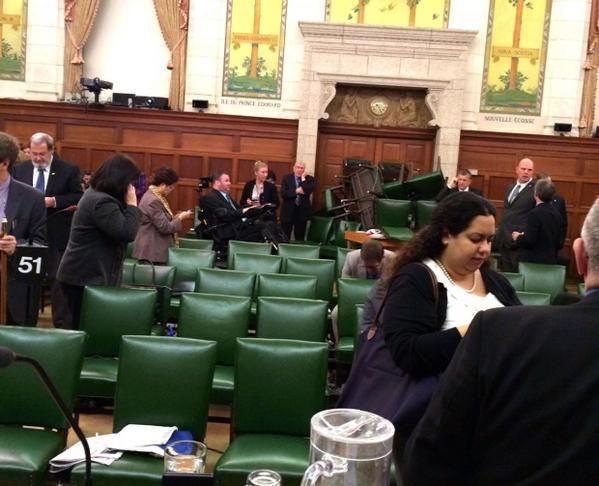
[514, 215]
[518, 404]
[542, 235]
[63, 184]
[289, 210]
[102, 227]
[220, 215]
[269, 195]
[412, 320]
[446, 191]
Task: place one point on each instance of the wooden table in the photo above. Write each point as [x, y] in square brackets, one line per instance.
[359, 237]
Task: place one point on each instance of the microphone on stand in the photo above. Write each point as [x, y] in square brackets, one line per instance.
[8, 357]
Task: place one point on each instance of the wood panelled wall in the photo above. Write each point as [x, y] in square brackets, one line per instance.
[194, 144]
[573, 164]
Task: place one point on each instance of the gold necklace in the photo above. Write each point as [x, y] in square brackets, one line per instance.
[451, 280]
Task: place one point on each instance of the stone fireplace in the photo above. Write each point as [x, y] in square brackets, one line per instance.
[366, 55]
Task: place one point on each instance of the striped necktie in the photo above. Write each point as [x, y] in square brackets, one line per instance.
[40, 184]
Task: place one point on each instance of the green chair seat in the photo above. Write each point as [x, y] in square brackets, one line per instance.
[255, 451]
[393, 217]
[401, 234]
[340, 227]
[324, 270]
[235, 247]
[516, 280]
[26, 454]
[533, 298]
[222, 384]
[319, 231]
[98, 377]
[188, 261]
[130, 470]
[543, 278]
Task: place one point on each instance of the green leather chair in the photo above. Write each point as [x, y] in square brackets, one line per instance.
[351, 291]
[319, 231]
[279, 385]
[516, 280]
[340, 260]
[298, 251]
[290, 318]
[339, 229]
[246, 247]
[25, 452]
[324, 270]
[220, 318]
[543, 278]
[533, 298]
[283, 285]
[160, 275]
[248, 262]
[107, 313]
[196, 244]
[226, 282]
[162, 381]
[392, 216]
[424, 210]
[129, 254]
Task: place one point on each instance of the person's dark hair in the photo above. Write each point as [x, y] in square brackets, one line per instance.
[216, 175]
[9, 148]
[114, 176]
[451, 216]
[372, 250]
[164, 175]
[544, 190]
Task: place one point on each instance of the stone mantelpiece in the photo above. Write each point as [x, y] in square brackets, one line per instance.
[368, 55]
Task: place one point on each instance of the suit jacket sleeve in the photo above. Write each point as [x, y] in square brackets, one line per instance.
[440, 448]
[246, 193]
[307, 185]
[446, 191]
[532, 231]
[220, 209]
[157, 215]
[73, 192]
[288, 187]
[349, 267]
[117, 224]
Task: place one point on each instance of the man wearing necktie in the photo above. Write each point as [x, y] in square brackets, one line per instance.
[518, 202]
[296, 189]
[460, 183]
[59, 182]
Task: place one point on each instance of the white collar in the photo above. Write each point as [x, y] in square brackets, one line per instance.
[47, 168]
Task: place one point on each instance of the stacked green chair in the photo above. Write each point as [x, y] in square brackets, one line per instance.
[25, 403]
[351, 291]
[516, 280]
[196, 244]
[279, 386]
[533, 298]
[299, 251]
[543, 278]
[226, 282]
[339, 229]
[161, 276]
[246, 247]
[324, 270]
[283, 285]
[219, 318]
[392, 216]
[424, 210]
[292, 318]
[319, 231]
[107, 313]
[340, 260]
[161, 381]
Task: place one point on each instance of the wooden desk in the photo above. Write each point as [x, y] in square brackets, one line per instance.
[359, 237]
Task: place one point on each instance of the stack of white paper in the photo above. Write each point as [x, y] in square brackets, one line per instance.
[105, 449]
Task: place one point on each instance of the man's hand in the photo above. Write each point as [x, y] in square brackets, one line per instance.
[8, 244]
[453, 184]
[50, 202]
[515, 235]
[299, 190]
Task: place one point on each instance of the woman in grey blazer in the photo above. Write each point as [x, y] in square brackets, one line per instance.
[106, 219]
[159, 225]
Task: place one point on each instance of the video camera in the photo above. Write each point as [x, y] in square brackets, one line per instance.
[204, 183]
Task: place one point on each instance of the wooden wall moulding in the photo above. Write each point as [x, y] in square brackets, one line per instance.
[194, 144]
[572, 163]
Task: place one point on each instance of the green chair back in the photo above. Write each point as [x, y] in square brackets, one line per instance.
[279, 385]
[164, 381]
[249, 262]
[289, 318]
[283, 285]
[324, 270]
[340, 260]
[543, 278]
[226, 282]
[516, 280]
[246, 247]
[424, 210]
[107, 313]
[351, 291]
[533, 298]
[319, 230]
[341, 226]
[188, 261]
[299, 251]
[196, 244]
[392, 216]
[24, 399]
[220, 318]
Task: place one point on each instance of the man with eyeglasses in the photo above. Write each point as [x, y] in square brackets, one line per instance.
[59, 182]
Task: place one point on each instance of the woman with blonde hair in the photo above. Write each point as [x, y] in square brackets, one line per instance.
[259, 191]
